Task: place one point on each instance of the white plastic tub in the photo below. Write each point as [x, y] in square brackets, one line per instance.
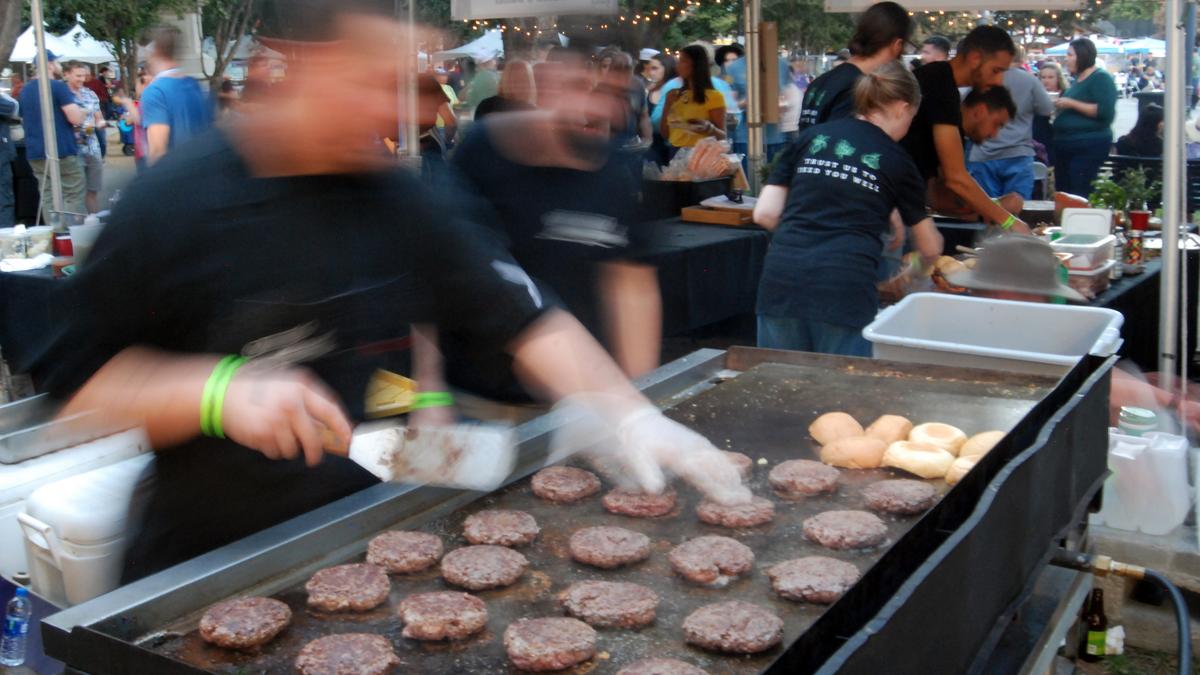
[1023, 337]
[1088, 251]
[1091, 282]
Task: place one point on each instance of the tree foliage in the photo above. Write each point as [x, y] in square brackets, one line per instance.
[805, 26]
[122, 23]
[226, 21]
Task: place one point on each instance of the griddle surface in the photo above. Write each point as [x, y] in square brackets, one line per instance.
[764, 413]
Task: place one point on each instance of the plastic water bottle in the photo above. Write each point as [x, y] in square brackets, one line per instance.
[16, 628]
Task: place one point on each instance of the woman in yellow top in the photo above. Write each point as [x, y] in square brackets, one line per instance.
[695, 110]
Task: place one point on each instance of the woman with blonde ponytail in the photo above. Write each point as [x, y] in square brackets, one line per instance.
[829, 200]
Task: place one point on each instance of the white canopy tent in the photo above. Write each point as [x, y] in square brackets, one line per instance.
[25, 50]
[81, 46]
[484, 48]
[1149, 46]
[1103, 46]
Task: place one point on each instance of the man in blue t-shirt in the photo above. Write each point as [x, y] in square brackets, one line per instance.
[174, 108]
[66, 115]
[773, 137]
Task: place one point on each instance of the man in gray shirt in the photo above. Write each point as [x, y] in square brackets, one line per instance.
[1005, 164]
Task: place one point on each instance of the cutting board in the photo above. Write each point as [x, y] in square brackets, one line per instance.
[728, 217]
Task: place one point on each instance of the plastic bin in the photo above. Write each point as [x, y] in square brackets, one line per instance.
[1091, 282]
[1022, 337]
[75, 531]
[1088, 251]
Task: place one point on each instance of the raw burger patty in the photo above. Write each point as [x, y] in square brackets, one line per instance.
[711, 561]
[549, 644]
[660, 667]
[444, 615]
[476, 568]
[813, 579]
[356, 588]
[902, 496]
[244, 623]
[744, 464]
[800, 478]
[845, 529]
[608, 547]
[500, 528]
[404, 552]
[610, 604]
[757, 512]
[639, 504]
[734, 627]
[565, 484]
[347, 654]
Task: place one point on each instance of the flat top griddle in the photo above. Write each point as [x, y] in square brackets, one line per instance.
[764, 413]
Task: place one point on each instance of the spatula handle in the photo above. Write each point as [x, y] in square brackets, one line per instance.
[331, 444]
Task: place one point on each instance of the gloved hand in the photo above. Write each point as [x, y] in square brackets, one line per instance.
[646, 446]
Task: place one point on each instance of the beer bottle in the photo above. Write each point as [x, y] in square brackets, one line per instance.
[1095, 628]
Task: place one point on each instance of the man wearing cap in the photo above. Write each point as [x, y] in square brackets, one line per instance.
[66, 115]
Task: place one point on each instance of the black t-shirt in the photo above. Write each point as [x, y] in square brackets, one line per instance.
[843, 179]
[940, 104]
[558, 223]
[830, 96]
[202, 257]
[498, 104]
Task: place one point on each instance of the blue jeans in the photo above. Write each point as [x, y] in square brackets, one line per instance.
[1076, 164]
[776, 332]
[999, 177]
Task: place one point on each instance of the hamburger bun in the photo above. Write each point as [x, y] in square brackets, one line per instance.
[939, 435]
[960, 467]
[859, 452]
[890, 428]
[834, 426]
[980, 444]
[921, 459]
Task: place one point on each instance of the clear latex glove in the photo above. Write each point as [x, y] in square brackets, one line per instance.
[644, 446]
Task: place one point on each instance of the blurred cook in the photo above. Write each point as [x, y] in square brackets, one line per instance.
[310, 259]
[830, 200]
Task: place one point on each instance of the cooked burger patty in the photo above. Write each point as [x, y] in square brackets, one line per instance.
[444, 615]
[244, 623]
[733, 627]
[347, 654]
[660, 667]
[608, 547]
[813, 579]
[799, 478]
[640, 504]
[549, 644]
[477, 568]
[610, 604]
[404, 552]
[902, 496]
[564, 484]
[845, 529]
[745, 465]
[757, 511]
[711, 561]
[500, 528]
[356, 588]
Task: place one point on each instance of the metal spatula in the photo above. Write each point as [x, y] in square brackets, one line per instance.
[471, 456]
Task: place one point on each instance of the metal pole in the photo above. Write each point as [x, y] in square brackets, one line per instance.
[1173, 193]
[752, 14]
[414, 127]
[49, 137]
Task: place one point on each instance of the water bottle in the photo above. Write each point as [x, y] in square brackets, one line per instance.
[16, 629]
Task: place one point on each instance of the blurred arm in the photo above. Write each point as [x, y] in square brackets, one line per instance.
[927, 240]
[157, 136]
[632, 309]
[769, 208]
[948, 142]
[75, 114]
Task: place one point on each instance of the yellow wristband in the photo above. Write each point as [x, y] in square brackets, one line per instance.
[1008, 222]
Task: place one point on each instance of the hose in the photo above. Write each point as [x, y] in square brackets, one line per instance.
[1102, 565]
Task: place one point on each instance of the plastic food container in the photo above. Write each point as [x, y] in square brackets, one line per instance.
[953, 330]
[1088, 251]
[1091, 282]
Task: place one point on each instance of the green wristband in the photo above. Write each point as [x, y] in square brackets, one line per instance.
[1008, 222]
[432, 399]
[210, 389]
[218, 403]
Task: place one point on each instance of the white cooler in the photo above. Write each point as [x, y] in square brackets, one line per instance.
[1020, 337]
[75, 531]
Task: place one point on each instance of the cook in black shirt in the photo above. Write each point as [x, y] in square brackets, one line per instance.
[879, 38]
[935, 139]
[310, 257]
[830, 199]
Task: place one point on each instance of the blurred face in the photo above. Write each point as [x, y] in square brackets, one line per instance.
[730, 58]
[1071, 61]
[683, 67]
[929, 54]
[442, 78]
[981, 124]
[1049, 78]
[584, 115]
[654, 71]
[987, 70]
[77, 77]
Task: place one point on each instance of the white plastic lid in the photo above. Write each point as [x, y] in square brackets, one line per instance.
[90, 507]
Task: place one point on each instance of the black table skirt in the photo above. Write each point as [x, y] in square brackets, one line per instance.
[1137, 299]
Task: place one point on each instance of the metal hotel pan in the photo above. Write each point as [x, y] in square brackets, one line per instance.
[763, 412]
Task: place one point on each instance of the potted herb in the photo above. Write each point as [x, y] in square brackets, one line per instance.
[1107, 194]
[1140, 191]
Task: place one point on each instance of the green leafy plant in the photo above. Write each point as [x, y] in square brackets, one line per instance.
[1139, 189]
[1107, 194]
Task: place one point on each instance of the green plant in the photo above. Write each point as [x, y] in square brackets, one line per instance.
[1139, 189]
[1107, 194]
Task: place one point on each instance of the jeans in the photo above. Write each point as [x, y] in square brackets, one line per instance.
[8, 197]
[1076, 164]
[999, 177]
[73, 185]
[776, 332]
